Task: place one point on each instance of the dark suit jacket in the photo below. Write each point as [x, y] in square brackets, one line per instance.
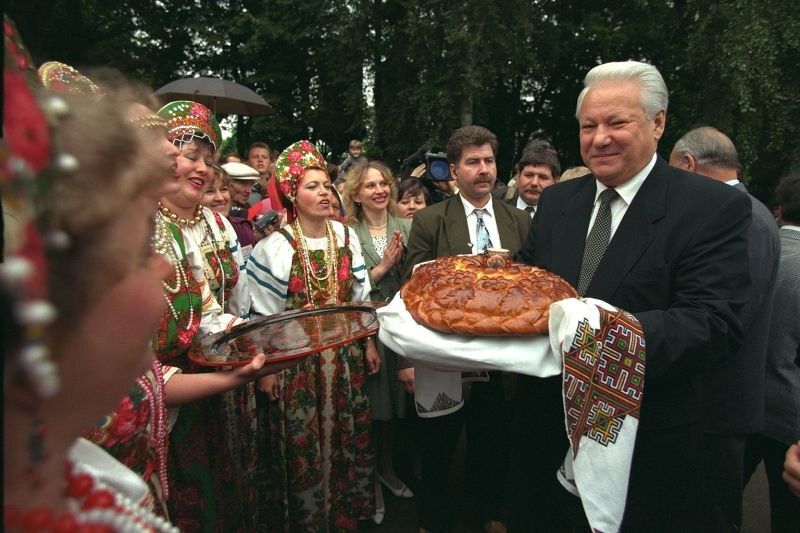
[733, 390]
[441, 229]
[782, 417]
[677, 262]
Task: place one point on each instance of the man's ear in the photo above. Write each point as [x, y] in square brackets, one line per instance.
[691, 162]
[659, 123]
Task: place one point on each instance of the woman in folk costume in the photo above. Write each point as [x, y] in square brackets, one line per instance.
[79, 297]
[137, 432]
[318, 465]
[211, 457]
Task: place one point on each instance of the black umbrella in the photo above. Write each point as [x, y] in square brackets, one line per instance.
[221, 96]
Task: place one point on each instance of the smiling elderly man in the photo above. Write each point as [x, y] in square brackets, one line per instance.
[667, 246]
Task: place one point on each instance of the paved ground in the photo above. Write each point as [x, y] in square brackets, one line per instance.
[401, 514]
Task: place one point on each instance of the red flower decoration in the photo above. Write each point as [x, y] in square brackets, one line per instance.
[362, 441]
[286, 188]
[185, 336]
[199, 111]
[124, 423]
[357, 379]
[295, 170]
[307, 146]
[344, 268]
[299, 465]
[296, 285]
[295, 156]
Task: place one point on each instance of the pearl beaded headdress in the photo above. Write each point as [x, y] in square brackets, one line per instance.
[29, 161]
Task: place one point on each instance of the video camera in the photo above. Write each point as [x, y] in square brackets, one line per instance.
[271, 217]
[436, 166]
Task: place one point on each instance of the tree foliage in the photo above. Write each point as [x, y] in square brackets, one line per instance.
[398, 73]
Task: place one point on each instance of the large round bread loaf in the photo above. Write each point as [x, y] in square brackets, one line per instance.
[483, 294]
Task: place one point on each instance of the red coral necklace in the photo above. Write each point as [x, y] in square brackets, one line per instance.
[91, 507]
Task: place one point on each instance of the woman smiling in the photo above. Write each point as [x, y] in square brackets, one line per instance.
[369, 193]
[211, 461]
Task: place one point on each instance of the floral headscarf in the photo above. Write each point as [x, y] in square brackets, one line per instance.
[292, 163]
[186, 118]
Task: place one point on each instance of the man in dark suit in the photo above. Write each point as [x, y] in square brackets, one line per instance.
[539, 168]
[466, 223]
[663, 244]
[782, 399]
[733, 389]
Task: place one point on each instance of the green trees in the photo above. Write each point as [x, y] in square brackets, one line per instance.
[398, 73]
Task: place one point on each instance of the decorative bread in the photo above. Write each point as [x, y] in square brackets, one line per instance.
[485, 294]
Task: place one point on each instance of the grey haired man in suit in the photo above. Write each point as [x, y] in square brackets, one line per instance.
[673, 258]
[733, 389]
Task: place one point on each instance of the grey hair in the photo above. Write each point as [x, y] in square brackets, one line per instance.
[654, 94]
[710, 147]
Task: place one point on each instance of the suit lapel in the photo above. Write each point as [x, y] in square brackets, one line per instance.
[455, 227]
[633, 235]
[367, 248]
[572, 228]
[506, 227]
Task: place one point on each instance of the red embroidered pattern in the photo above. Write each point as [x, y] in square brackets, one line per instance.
[603, 377]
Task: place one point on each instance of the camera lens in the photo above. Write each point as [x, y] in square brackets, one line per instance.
[439, 170]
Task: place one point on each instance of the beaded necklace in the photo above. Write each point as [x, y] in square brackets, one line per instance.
[214, 248]
[180, 221]
[91, 506]
[331, 260]
[162, 244]
[158, 422]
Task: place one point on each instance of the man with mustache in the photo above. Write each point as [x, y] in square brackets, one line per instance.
[466, 223]
[539, 168]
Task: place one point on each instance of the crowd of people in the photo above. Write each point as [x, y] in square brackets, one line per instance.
[114, 266]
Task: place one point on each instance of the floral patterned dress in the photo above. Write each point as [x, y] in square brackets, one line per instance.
[316, 471]
[129, 433]
[212, 456]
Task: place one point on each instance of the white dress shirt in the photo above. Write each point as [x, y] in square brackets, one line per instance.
[627, 191]
[489, 221]
[522, 204]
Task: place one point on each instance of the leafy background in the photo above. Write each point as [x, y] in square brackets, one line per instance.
[398, 73]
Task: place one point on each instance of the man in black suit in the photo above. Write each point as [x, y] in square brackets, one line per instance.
[675, 243]
[733, 389]
[465, 224]
[539, 168]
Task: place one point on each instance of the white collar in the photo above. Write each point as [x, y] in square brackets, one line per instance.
[522, 204]
[627, 191]
[469, 208]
